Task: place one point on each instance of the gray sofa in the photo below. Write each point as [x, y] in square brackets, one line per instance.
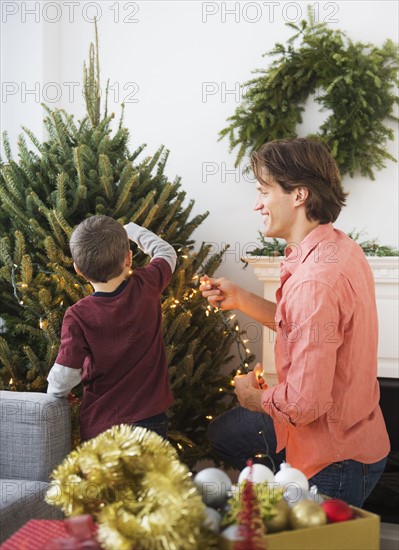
[35, 436]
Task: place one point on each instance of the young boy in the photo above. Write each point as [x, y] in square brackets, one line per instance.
[115, 335]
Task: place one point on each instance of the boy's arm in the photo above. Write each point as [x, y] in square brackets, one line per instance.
[73, 351]
[62, 379]
[151, 244]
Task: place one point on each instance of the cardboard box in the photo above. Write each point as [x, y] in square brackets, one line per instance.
[360, 533]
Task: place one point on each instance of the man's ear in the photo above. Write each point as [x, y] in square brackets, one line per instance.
[301, 194]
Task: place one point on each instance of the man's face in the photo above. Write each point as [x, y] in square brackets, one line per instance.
[277, 209]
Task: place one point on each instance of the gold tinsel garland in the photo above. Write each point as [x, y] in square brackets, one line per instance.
[132, 482]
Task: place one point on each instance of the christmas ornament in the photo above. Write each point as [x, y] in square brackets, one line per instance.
[231, 533]
[315, 495]
[213, 485]
[131, 481]
[337, 510]
[212, 519]
[260, 474]
[307, 514]
[294, 494]
[280, 520]
[291, 476]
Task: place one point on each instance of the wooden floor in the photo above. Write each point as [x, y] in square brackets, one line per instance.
[389, 536]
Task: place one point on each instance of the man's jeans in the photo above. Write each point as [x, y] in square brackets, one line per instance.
[239, 434]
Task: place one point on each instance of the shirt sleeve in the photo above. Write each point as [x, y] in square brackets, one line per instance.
[312, 333]
[151, 244]
[156, 274]
[62, 379]
[74, 347]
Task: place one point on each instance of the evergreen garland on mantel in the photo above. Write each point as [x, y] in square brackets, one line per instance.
[275, 247]
[356, 81]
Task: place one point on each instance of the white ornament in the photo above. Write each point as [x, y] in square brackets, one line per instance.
[294, 494]
[212, 519]
[315, 495]
[231, 533]
[288, 476]
[257, 473]
[213, 484]
[235, 490]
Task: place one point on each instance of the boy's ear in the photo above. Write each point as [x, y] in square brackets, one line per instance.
[129, 258]
[77, 270]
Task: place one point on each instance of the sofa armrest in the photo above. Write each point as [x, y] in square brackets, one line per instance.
[35, 434]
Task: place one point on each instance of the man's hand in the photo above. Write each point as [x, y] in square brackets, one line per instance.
[220, 293]
[248, 391]
[260, 376]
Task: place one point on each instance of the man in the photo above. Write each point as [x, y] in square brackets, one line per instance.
[325, 409]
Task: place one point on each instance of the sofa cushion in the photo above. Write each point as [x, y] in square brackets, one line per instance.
[20, 501]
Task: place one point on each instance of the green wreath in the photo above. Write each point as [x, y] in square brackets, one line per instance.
[356, 81]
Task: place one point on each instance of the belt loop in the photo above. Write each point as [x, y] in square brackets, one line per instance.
[365, 469]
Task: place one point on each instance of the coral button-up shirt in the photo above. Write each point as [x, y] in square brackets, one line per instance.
[326, 405]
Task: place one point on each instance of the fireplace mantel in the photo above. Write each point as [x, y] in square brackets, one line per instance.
[386, 275]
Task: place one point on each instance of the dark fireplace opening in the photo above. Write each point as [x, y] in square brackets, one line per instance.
[384, 500]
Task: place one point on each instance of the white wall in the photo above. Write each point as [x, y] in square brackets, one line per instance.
[164, 60]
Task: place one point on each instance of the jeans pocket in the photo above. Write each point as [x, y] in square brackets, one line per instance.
[329, 480]
[371, 478]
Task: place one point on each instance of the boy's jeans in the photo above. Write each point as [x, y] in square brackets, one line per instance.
[239, 434]
[157, 423]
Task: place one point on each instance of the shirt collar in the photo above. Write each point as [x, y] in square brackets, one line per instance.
[113, 293]
[296, 254]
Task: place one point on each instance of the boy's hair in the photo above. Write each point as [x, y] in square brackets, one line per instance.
[99, 246]
[302, 162]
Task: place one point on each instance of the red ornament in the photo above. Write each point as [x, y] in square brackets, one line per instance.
[337, 510]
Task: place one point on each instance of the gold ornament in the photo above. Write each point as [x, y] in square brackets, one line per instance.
[307, 513]
[132, 482]
[280, 520]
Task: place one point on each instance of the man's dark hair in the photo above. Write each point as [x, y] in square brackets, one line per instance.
[305, 163]
[99, 246]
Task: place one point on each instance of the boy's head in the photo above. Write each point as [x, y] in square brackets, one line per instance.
[100, 248]
[304, 163]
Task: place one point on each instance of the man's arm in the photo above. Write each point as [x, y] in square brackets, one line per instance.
[62, 379]
[225, 294]
[151, 244]
[313, 333]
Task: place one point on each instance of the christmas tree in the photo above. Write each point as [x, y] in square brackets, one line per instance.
[83, 169]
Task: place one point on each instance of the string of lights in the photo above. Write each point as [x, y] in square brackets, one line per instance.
[226, 317]
[241, 343]
[230, 325]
